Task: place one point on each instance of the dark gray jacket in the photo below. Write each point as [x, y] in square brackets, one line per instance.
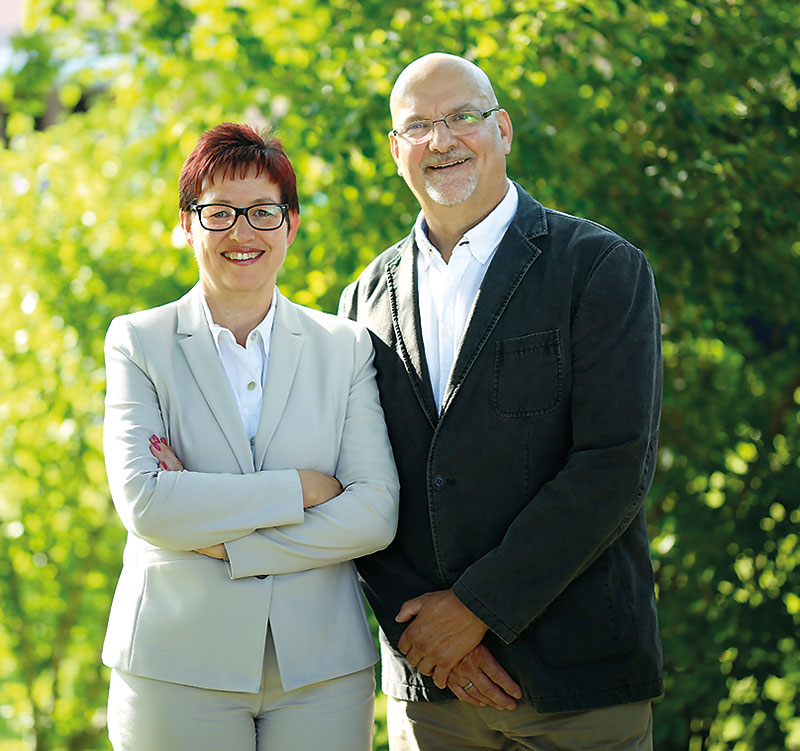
[526, 495]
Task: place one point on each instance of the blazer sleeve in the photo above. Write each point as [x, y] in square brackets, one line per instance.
[177, 510]
[388, 578]
[360, 520]
[616, 352]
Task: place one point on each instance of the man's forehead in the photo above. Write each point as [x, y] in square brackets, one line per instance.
[430, 98]
[439, 89]
[415, 111]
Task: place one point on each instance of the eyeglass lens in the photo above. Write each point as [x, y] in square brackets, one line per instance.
[459, 123]
[261, 216]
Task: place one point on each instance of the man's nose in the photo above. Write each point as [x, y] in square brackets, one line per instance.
[442, 138]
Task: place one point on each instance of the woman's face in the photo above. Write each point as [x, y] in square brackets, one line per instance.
[242, 263]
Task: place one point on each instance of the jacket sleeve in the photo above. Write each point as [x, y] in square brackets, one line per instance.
[177, 510]
[573, 519]
[362, 519]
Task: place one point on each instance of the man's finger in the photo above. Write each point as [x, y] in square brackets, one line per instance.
[407, 646]
[426, 666]
[440, 675]
[492, 694]
[409, 609]
[498, 675]
[461, 694]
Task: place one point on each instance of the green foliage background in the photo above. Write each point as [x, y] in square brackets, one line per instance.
[675, 123]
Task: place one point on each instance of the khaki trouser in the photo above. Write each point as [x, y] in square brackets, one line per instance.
[458, 726]
[150, 715]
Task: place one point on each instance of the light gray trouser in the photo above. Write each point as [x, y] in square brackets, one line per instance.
[150, 715]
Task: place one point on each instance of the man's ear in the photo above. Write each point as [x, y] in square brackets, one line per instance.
[506, 130]
[395, 147]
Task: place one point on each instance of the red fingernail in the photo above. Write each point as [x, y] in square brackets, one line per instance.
[157, 446]
[163, 465]
[163, 440]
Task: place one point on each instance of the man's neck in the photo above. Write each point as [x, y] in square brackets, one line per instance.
[447, 224]
[444, 243]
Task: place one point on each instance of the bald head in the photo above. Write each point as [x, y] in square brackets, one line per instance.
[440, 65]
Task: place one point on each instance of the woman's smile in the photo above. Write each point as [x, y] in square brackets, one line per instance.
[243, 256]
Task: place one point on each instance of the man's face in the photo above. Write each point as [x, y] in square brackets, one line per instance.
[241, 259]
[468, 171]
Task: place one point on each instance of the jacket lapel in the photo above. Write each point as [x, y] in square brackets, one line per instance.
[515, 255]
[284, 358]
[402, 285]
[197, 343]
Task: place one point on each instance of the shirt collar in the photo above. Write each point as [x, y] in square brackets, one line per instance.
[482, 239]
[263, 329]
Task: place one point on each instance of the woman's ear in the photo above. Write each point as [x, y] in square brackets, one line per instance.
[186, 223]
[293, 219]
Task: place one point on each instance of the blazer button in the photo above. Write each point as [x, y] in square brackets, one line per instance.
[439, 482]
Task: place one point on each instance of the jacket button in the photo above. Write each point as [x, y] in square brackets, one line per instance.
[439, 482]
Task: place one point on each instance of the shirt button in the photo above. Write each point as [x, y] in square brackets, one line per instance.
[253, 336]
[251, 385]
[439, 482]
[253, 441]
[448, 333]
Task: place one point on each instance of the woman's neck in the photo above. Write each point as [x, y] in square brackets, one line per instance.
[241, 316]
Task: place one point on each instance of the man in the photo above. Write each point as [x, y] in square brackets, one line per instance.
[519, 365]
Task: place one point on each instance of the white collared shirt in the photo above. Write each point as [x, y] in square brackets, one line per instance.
[447, 291]
[246, 367]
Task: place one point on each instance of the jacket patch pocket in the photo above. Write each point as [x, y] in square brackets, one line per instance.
[528, 377]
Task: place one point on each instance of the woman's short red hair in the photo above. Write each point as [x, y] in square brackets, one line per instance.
[231, 150]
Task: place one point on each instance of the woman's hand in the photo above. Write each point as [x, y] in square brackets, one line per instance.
[317, 487]
[164, 454]
[168, 460]
[215, 551]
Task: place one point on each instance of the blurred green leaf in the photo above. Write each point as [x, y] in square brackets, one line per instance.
[675, 126]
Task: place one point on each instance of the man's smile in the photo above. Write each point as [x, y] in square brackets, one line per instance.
[456, 162]
[445, 165]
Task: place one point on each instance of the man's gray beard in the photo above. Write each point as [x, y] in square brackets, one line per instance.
[447, 198]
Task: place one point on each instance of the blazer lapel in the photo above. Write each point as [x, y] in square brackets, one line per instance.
[284, 359]
[515, 255]
[197, 343]
[402, 285]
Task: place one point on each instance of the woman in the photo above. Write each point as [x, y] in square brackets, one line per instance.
[238, 621]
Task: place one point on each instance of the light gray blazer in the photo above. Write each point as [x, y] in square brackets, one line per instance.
[183, 617]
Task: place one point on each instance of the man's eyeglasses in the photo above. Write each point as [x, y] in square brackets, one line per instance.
[458, 123]
[217, 217]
